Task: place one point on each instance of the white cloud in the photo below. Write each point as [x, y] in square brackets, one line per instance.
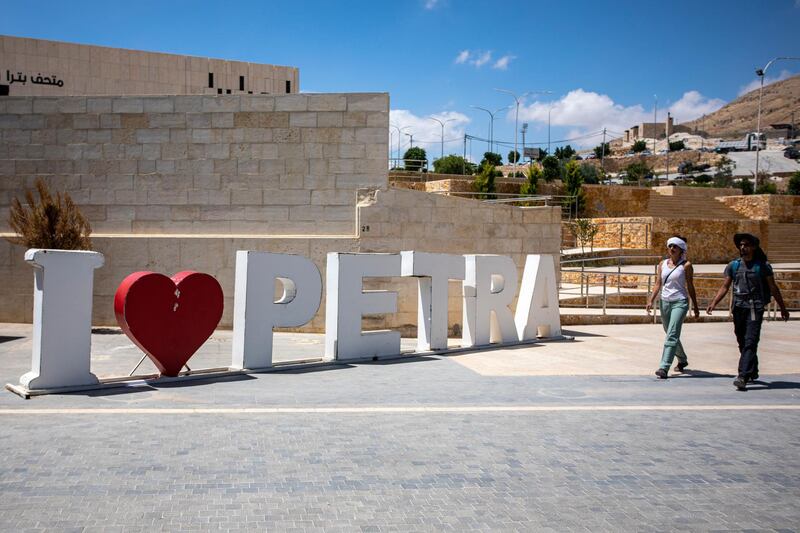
[693, 105]
[756, 83]
[427, 133]
[502, 63]
[481, 59]
[585, 112]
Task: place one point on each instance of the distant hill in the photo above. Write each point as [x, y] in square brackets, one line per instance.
[739, 116]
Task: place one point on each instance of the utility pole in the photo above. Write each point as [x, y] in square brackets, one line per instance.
[524, 129]
[464, 159]
[442, 123]
[667, 133]
[655, 112]
[702, 131]
[603, 153]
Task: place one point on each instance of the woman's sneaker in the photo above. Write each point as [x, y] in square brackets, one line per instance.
[740, 383]
[680, 366]
[661, 373]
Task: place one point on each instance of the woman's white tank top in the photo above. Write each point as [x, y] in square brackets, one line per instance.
[674, 288]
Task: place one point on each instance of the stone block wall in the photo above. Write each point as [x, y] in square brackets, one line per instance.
[615, 201]
[199, 164]
[391, 221]
[772, 207]
[101, 70]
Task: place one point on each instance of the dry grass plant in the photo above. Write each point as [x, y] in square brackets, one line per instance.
[52, 222]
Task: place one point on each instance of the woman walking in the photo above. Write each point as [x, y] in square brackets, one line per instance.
[674, 283]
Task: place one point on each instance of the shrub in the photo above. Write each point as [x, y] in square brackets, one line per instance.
[532, 183]
[484, 182]
[746, 185]
[767, 187]
[513, 156]
[676, 146]
[552, 168]
[573, 183]
[491, 158]
[639, 146]
[54, 223]
[453, 164]
[794, 184]
[602, 149]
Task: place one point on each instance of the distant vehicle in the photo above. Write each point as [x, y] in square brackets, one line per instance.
[747, 144]
[630, 153]
[792, 153]
[661, 152]
[590, 155]
[646, 152]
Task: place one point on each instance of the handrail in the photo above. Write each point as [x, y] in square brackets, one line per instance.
[647, 234]
[772, 308]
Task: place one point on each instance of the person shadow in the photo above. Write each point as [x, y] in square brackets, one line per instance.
[772, 385]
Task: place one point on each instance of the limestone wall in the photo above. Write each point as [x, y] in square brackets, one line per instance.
[101, 70]
[391, 220]
[696, 192]
[616, 201]
[279, 165]
[772, 207]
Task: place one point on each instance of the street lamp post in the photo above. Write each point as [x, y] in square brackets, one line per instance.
[760, 72]
[549, 109]
[655, 112]
[516, 117]
[399, 137]
[442, 124]
[524, 130]
[491, 122]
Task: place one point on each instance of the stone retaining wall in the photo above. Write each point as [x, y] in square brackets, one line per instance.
[772, 207]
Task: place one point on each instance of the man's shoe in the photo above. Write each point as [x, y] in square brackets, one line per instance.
[740, 383]
[754, 376]
[680, 366]
[661, 373]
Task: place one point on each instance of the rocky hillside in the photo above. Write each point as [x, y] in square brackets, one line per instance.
[739, 116]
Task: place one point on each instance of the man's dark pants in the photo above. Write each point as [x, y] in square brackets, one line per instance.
[748, 333]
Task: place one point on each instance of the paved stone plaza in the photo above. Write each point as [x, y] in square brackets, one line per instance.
[566, 436]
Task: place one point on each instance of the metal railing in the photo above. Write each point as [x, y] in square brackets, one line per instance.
[589, 300]
[622, 225]
[569, 207]
[410, 165]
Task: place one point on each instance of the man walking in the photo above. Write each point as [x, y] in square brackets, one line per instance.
[753, 287]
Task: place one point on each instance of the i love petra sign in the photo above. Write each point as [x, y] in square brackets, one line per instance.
[170, 318]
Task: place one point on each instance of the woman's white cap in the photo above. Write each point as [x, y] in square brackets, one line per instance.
[680, 243]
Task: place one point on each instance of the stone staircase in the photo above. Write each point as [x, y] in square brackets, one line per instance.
[784, 243]
[689, 206]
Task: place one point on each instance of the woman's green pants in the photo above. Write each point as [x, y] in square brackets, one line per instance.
[672, 315]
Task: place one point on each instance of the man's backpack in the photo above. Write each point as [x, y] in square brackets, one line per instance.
[766, 293]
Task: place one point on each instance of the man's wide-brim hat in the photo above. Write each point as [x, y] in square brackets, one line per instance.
[739, 237]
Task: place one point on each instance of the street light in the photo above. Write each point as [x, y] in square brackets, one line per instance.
[760, 72]
[516, 117]
[491, 122]
[524, 130]
[442, 124]
[399, 136]
[548, 126]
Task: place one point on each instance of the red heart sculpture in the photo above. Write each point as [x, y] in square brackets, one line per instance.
[168, 318]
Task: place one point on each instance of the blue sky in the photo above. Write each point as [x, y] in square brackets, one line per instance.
[602, 61]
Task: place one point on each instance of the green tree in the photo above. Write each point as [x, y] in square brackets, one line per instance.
[767, 187]
[601, 148]
[746, 185]
[551, 167]
[453, 164]
[492, 158]
[591, 174]
[675, 146]
[566, 152]
[638, 171]
[794, 184]
[414, 158]
[573, 184]
[584, 231]
[723, 176]
[513, 156]
[639, 146]
[484, 182]
[534, 176]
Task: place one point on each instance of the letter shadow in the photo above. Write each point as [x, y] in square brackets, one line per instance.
[4, 338]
